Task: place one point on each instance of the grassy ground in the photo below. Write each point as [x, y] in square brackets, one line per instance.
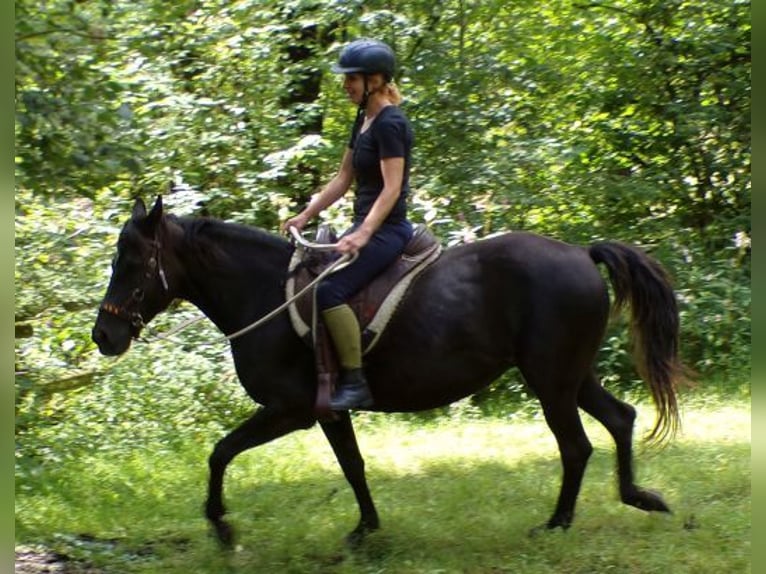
[453, 497]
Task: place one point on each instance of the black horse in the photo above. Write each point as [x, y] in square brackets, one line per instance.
[517, 299]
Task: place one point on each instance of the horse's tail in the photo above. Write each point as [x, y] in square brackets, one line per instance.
[640, 280]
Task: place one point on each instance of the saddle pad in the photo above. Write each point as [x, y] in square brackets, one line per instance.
[375, 304]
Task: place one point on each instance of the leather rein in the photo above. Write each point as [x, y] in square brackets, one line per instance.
[343, 261]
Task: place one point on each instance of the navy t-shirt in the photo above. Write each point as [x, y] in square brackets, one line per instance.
[389, 135]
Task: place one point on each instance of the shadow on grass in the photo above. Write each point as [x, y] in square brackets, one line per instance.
[458, 516]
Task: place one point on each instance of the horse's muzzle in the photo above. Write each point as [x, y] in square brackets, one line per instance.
[109, 344]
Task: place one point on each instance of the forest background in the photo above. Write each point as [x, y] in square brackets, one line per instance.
[625, 120]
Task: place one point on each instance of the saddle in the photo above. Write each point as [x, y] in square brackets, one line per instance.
[374, 305]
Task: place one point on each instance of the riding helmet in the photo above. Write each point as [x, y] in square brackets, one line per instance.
[368, 57]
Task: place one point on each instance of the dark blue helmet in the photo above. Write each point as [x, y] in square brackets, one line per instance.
[367, 57]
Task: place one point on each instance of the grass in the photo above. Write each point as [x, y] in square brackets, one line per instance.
[454, 496]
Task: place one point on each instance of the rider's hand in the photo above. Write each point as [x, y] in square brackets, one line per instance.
[354, 241]
[299, 222]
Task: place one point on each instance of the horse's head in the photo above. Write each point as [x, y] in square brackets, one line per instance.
[138, 289]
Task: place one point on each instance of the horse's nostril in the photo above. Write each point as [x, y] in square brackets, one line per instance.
[97, 335]
[110, 342]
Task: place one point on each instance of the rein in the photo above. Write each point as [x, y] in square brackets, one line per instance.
[343, 261]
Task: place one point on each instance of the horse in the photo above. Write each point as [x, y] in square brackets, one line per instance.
[514, 299]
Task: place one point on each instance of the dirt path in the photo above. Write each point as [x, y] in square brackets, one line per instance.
[38, 560]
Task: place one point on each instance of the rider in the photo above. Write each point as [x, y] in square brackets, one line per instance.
[378, 158]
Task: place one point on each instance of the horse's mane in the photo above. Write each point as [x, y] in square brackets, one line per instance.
[227, 246]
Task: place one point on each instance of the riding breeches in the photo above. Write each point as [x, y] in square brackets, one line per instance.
[386, 244]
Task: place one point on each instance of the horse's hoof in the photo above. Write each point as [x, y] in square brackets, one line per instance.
[357, 536]
[647, 500]
[355, 539]
[224, 534]
[549, 527]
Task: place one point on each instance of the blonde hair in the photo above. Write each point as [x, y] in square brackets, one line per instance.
[391, 90]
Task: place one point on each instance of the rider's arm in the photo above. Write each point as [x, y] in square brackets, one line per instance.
[392, 169]
[334, 190]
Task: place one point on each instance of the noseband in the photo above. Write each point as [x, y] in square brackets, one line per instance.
[129, 310]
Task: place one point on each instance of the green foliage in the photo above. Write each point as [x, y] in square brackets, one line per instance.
[715, 311]
[59, 255]
[69, 111]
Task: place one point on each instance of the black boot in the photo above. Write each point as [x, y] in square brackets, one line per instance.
[352, 392]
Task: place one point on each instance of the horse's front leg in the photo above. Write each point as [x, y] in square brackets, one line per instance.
[341, 435]
[265, 425]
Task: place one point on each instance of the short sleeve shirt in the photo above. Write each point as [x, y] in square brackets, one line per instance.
[389, 135]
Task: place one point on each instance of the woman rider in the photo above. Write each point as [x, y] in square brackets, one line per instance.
[378, 158]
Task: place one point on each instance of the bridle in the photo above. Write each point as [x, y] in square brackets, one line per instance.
[128, 313]
[129, 310]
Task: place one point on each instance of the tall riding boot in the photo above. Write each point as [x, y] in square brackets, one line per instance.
[352, 391]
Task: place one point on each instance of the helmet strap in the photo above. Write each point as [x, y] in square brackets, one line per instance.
[360, 113]
[365, 96]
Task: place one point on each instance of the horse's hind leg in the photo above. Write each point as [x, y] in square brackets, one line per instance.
[560, 409]
[341, 435]
[265, 425]
[618, 418]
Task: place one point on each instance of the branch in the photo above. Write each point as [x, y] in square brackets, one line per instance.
[66, 384]
[73, 32]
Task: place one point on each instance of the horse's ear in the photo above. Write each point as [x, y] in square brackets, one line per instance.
[139, 208]
[155, 215]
